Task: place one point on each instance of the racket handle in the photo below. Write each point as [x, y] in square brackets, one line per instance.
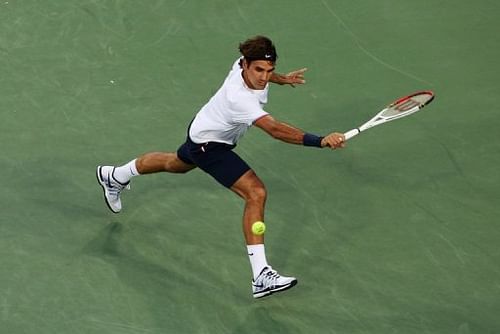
[351, 133]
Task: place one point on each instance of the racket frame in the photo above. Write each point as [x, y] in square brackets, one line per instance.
[380, 118]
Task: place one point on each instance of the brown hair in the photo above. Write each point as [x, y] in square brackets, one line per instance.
[258, 48]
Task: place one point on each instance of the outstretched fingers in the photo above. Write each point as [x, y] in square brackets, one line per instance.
[296, 77]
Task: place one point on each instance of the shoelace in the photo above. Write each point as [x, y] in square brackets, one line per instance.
[114, 187]
[271, 277]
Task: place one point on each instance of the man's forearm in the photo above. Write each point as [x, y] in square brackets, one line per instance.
[288, 134]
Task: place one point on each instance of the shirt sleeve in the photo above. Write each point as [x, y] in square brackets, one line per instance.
[247, 111]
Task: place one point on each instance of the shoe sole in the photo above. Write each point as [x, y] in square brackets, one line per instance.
[280, 289]
[101, 183]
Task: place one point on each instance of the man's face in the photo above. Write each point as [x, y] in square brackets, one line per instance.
[258, 73]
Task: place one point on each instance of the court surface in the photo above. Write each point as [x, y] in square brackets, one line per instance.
[397, 233]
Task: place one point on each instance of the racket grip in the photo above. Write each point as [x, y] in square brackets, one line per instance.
[351, 133]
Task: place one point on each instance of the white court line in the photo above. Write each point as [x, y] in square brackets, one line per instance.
[368, 53]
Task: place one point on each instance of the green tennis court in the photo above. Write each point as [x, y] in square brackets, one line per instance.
[397, 233]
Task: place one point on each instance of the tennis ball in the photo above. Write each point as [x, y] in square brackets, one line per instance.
[258, 228]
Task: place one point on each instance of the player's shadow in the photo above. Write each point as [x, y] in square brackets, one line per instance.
[260, 320]
[172, 284]
[133, 267]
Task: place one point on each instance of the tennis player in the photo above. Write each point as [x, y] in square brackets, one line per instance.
[211, 138]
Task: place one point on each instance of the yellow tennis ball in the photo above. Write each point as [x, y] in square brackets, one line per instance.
[258, 228]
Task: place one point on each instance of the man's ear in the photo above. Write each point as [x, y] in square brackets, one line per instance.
[244, 64]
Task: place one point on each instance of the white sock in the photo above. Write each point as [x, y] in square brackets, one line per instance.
[257, 256]
[124, 173]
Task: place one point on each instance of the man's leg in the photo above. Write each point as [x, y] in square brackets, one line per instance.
[155, 162]
[252, 190]
[265, 280]
[114, 179]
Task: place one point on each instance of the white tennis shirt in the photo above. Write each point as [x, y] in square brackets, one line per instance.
[230, 112]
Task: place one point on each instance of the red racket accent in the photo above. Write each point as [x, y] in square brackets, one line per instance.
[424, 92]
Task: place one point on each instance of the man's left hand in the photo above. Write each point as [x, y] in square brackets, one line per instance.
[295, 77]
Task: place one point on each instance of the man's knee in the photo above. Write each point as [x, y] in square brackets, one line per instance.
[255, 189]
[258, 193]
[250, 188]
[176, 165]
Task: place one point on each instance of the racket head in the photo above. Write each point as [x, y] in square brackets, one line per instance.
[407, 105]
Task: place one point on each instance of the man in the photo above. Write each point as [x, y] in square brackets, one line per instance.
[213, 134]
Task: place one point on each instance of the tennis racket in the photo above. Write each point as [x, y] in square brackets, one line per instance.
[402, 107]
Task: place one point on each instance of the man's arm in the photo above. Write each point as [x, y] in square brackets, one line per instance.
[293, 135]
[292, 78]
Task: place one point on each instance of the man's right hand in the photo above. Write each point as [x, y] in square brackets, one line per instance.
[333, 140]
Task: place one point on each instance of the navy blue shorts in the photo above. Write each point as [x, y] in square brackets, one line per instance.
[216, 159]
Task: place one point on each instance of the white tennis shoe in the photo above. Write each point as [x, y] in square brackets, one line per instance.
[111, 187]
[269, 282]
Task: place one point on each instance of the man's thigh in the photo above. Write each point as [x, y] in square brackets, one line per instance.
[219, 161]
